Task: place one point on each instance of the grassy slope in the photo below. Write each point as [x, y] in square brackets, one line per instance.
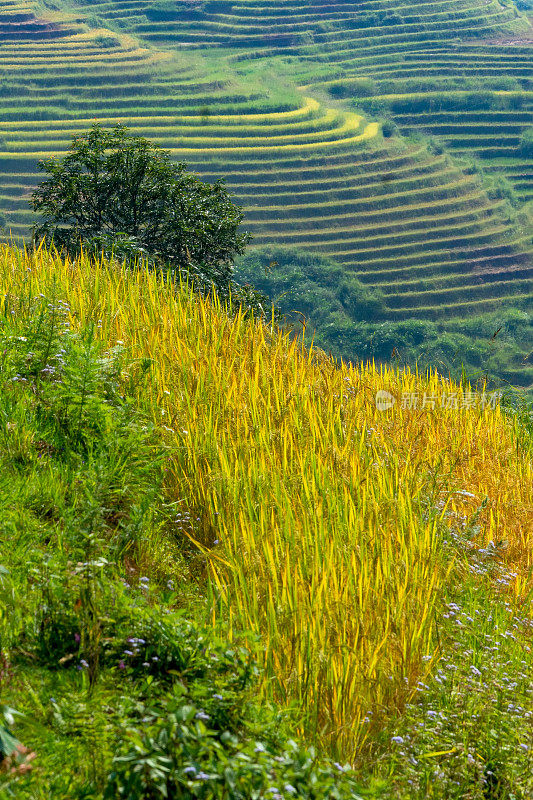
[350, 539]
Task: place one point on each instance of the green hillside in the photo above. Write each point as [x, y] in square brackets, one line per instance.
[286, 101]
[244, 558]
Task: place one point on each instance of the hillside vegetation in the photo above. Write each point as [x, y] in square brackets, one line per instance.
[346, 317]
[281, 501]
[460, 71]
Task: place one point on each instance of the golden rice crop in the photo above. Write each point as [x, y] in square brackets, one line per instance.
[371, 130]
[321, 517]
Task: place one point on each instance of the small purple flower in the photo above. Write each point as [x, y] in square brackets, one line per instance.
[217, 697]
[397, 739]
[121, 665]
[84, 664]
[189, 771]
[202, 715]
[202, 776]
[77, 638]
[128, 653]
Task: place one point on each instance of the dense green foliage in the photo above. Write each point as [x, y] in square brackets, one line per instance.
[526, 143]
[105, 642]
[345, 318]
[300, 282]
[112, 184]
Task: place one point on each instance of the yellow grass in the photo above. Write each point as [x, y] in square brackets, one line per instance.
[303, 112]
[329, 513]
[371, 130]
[350, 123]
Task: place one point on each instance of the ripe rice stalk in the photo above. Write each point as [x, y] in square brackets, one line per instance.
[321, 518]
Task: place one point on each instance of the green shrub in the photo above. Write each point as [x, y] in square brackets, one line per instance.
[498, 187]
[300, 282]
[435, 147]
[362, 87]
[526, 143]
[106, 41]
[143, 644]
[84, 469]
[78, 387]
[185, 744]
[389, 128]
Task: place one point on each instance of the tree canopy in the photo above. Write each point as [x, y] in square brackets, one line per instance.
[116, 190]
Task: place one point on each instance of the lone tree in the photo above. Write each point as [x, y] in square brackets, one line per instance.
[114, 191]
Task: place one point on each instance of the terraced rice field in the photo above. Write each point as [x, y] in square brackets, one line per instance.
[406, 221]
[397, 214]
[433, 93]
[427, 45]
[330, 30]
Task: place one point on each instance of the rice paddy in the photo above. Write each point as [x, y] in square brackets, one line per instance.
[320, 517]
